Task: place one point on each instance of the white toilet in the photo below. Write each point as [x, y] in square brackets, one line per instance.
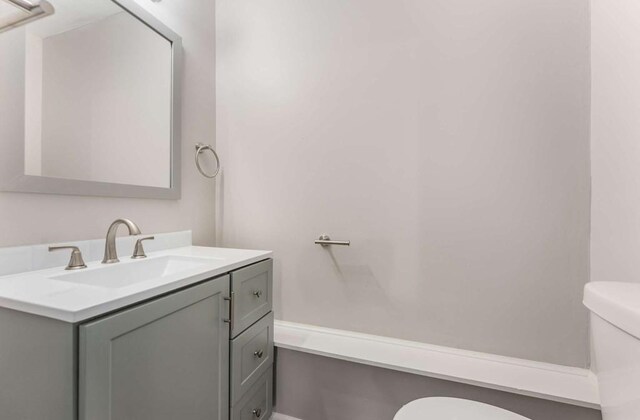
[438, 408]
[615, 331]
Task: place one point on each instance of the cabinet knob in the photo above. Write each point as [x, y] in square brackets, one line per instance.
[257, 293]
[257, 412]
[258, 354]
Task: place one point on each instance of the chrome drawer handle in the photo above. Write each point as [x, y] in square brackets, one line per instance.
[231, 301]
[257, 412]
[258, 354]
[257, 293]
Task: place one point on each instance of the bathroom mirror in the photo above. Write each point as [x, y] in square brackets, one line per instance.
[89, 103]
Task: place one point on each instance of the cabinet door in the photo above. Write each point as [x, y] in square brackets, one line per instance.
[165, 359]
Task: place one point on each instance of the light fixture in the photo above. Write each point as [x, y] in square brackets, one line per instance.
[14, 13]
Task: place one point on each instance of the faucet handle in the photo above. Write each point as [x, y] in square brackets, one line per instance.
[76, 262]
[138, 250]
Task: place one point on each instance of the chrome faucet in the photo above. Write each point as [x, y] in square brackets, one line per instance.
[110, 253]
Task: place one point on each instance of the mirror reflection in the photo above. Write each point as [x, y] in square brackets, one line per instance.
[96, 84]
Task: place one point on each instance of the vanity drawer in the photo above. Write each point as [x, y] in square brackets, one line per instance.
[252, 289]
[256, 404]
[251, 356]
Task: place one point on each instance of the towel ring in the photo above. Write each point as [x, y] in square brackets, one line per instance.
[201, 147]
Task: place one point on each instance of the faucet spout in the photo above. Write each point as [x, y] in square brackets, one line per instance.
[110, 253]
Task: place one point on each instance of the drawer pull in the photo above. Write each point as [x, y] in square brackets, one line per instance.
[231, 310]
[257, 412]
[257, 293]
[258, 354]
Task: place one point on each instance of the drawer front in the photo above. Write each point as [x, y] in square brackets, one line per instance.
[256, 404]
[252, 294]
[251, 356]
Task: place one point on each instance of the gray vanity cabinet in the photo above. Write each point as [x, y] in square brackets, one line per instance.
[165, 359]
[204, 352]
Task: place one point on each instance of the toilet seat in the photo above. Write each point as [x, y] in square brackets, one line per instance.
[439, 408]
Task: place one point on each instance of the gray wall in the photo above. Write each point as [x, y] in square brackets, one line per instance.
[317, 388]
[448, 139]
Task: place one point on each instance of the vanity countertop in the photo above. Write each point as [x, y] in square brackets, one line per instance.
[64, 295]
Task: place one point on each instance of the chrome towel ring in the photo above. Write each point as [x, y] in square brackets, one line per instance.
[201, 147]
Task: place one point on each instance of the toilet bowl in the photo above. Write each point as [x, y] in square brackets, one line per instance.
[438, 408]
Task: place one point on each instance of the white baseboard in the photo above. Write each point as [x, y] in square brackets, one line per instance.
[563, 384]
[276, 416]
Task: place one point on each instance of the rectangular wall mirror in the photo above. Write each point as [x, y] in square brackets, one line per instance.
[89, 102]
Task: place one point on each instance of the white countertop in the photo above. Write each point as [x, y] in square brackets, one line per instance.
[36, 292]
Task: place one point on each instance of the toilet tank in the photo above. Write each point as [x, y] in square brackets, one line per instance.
[615, 337]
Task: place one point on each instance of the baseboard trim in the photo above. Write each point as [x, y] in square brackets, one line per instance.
[276, 416]
[563, 384]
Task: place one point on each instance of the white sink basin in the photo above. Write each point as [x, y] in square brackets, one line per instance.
[121, 275]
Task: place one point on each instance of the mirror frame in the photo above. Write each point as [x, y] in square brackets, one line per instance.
[12, 174]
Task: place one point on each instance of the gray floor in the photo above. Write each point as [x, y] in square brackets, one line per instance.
[318, 388]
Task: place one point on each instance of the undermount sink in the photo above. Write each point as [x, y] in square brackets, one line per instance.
[122, 275]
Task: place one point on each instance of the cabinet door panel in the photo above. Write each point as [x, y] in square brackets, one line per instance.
[252, 288]
[251, 356]
[165, 359]
[256, 403]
